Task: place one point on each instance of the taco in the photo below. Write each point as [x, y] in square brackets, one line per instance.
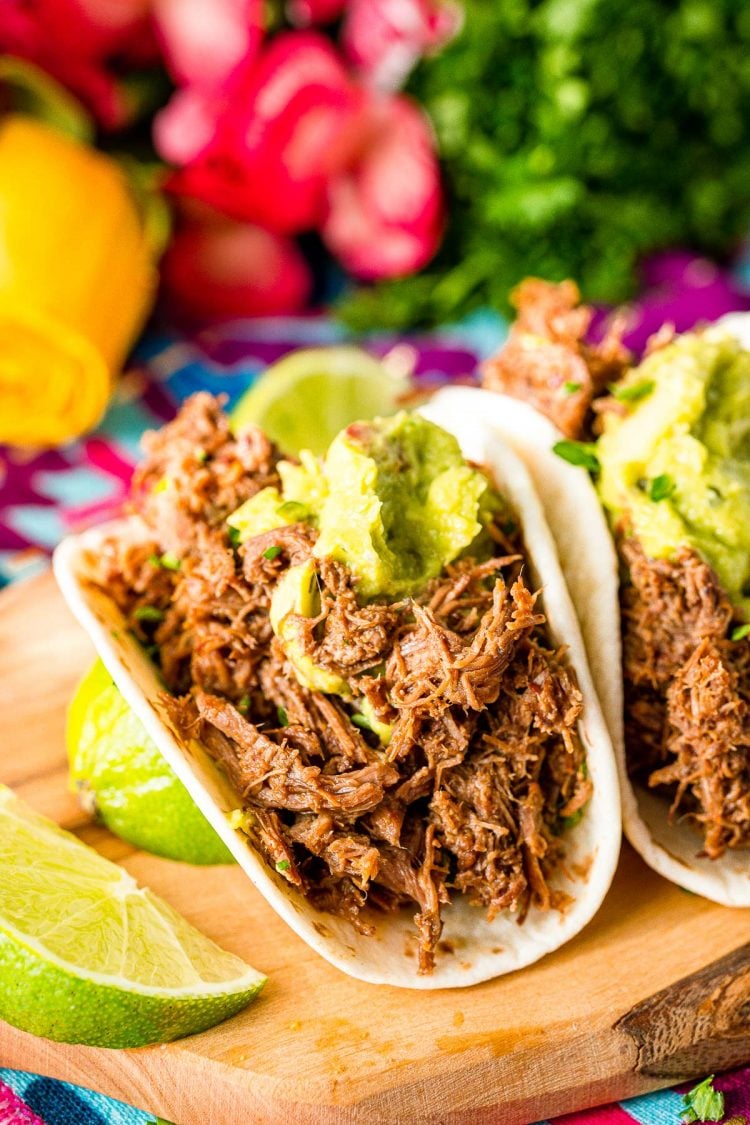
[376, 687]
[644, 472]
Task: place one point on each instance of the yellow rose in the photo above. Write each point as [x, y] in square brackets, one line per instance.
[77, 280]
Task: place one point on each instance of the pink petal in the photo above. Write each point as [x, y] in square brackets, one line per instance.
[205, 40]
[186, 126]
[385, 213]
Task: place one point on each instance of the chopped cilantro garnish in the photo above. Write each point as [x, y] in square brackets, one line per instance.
[703, 1102]
[292, 510]
[573, 819]
[634, 392]
[271, 553]
[661, 487]
[170, 561]
[283, 865]
[570, 387]
[578, 453]
[282, 717]
[234, 536]
[244, 703]
[740, 632]
[148, 613]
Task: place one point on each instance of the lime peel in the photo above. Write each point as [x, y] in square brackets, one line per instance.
[74, 1000]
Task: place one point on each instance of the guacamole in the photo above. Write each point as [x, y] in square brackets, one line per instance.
[401, 503]
[678, 463]
[393, 499]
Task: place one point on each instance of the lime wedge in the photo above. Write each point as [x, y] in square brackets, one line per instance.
[86, 956]
[303, 401]
[120, 776]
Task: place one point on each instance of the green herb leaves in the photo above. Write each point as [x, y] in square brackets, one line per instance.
[271, 553]
[633, 392]
[148, 613]
[703, 1102]
[283, 865]
[168, 561]
[581, 453]
[661, 487]
[570, 388]
[739, 632]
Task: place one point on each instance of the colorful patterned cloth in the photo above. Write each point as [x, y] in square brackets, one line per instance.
[45, 495]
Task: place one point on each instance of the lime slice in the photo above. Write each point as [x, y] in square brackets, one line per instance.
[303, 401]
[86, 956]
[121, 776]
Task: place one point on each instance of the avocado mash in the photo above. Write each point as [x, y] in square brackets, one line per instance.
[678, 463]
[393, 499]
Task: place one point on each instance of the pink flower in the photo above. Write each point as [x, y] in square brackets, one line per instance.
[284, 124]
[82, 43]
[385, 38]
[216, 267]
[306, 12]
[205, 40]
[385, 210]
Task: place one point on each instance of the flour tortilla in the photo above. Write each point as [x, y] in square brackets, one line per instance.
[589, 562]
[481, 949]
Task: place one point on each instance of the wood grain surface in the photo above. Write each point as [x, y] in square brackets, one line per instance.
[655, 989]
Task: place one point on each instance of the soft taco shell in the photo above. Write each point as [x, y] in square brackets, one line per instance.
[481, 949]
[589, 562]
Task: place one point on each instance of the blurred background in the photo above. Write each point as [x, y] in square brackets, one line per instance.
[214, 182]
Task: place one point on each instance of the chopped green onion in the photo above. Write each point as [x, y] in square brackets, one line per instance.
[740, 632]
[362, 722]
[282, 717]
[283, 865]
[578, 453]
[271, 553]
[292, 510]
[633, 392]
[703, 1102]
[570, 388]
[661, 487]
[155, 560]
[148, 613]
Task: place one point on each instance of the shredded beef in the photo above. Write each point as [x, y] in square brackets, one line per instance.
[687, 693]
[547, 359]
[484, 761]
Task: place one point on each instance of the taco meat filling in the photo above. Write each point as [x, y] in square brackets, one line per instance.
[687, 683]
[687, 693]
[449, 762]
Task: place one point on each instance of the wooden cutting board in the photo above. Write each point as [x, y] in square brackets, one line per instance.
[657, 988]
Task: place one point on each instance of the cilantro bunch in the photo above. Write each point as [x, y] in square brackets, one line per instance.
[576, 136]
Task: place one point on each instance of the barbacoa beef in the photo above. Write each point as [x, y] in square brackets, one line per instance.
[687, 690]
[548, 359]
[484, 763]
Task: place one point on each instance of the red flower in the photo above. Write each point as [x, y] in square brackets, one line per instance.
[283, 126]
[82, 44]
[385, 38]
[216, 267]
[385, 211]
